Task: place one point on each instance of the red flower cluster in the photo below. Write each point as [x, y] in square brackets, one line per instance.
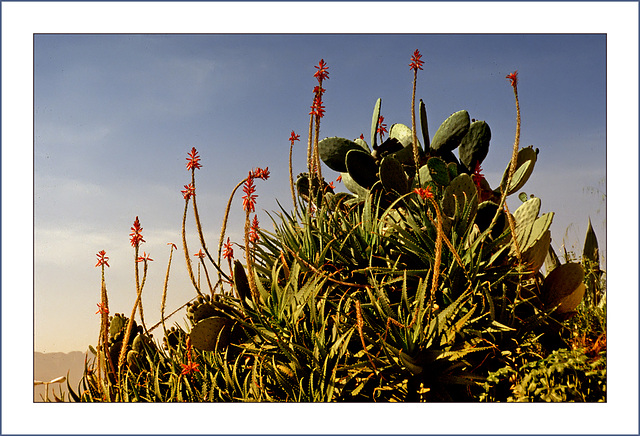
[323, 71]
[145, 257]
[249, 199]
[200, 254]
[253, 231]
[102, 309]
[514, 78]
[193, 160]
[228, 250]
[317, 109]
[102, 259]
[424, 193]
[188, 191]
[294, 137]
[191, 366]
[382, 128]
[416, 63]
[136, 236]
[260, 173]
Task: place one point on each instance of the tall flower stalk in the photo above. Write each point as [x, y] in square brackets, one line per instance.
[104, 357]
[136, 240]
[248, 204]
[292, 139]
[513, 77]
[317, 112]
[415, 65]
[165, 286]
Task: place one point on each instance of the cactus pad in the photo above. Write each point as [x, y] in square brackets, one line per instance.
[333, 152]
[392, 176]
[451, 132]
[211, 332]
[474, 147]
[362, 168]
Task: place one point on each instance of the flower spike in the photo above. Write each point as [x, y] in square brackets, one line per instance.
[136, 236]
[102, 259]
[193, 160]
[416, 63]
[514, 78]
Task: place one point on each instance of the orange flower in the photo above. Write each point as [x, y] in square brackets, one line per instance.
[416, 63]
[323, 71]
[189, 368]
[188, 191]
[260, 173]
[228, 250]
[514, 78]
[253, 231]
[249, 199]
[136, 236]
[200, 254]
[382, 128]
[424, 193]
[102, 309]
[102, 259]
[294, 137]
[145, 257]
[193, 160]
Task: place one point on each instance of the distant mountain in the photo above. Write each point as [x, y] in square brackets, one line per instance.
[48, 366]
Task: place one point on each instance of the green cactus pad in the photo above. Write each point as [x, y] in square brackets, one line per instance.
[362, 167]
[534, 256]
[474, 147]
[375, 118]
[460, 192]
[404, 134]
[525, 216]
[424, 125]
[451, 132]
[438, 170]
[240, 280]
[352, 186]
[333, 152]
[362, 143]
[563, 286]
[210, 332]
[392, 176]
[526, 161]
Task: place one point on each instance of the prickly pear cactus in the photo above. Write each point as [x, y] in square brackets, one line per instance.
[450, 133]
[474, 147]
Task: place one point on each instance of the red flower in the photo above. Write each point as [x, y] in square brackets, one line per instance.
[514, 78]
[173, 245]
[228, 250]
[339, 179]
[416, 63]
[260, 173]
[136, 236]
[193, 160]
[294, 137]
[200, 254]
[102, 309]
[102, 259]
[477, 176]
[362, 136]
[145, 257]
[318, 90]
[382, 128]
[253, 231]
[322, 72]
[249, 199]
[189, 368]
[331, 185]
[188, 191]
[317, 108]
[424, 193]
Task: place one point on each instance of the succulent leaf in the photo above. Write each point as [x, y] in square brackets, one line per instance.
[474, 147]
[451, 132]
[392, 176]
[362, 167]
[333, 152]
[375, 119]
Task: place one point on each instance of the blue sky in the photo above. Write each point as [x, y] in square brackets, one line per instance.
[115, 120]
[115, 116]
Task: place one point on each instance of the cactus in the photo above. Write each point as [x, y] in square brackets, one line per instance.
[392, 176]
[362, 167]
[475, 145]
[450, 133]
[211, 333]
[526, 161]
[564, 287]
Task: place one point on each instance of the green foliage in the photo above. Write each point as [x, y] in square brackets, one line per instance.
[564, 375]
[414, 288]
